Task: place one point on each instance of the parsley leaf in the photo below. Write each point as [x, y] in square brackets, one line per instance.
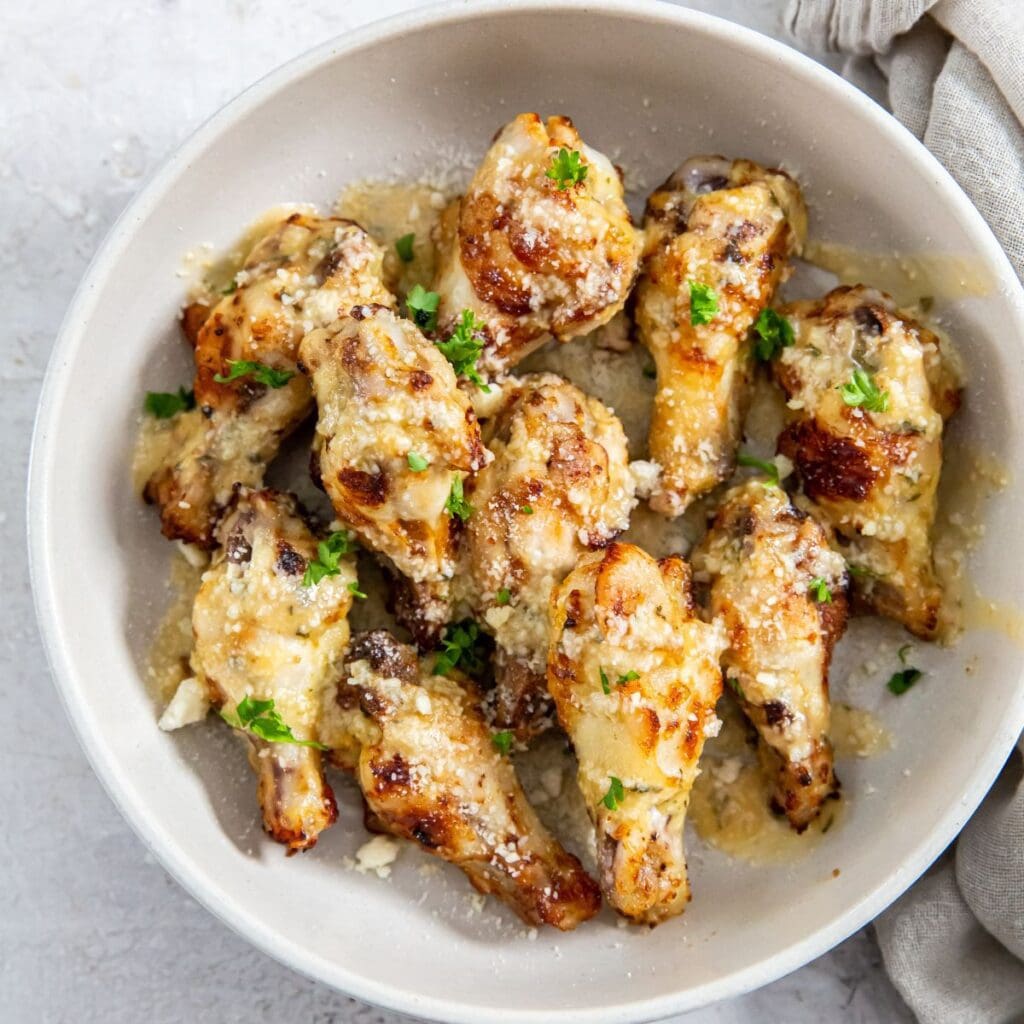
[527, 510]
[566, 169]
[765, 465]
[502, 741]
[861, 390]
[615, 795]
[165, 404]
[903, 651]
[260, 372]
[703, 303]
[416, 462]
[462, 648]
[422, 306]
[260, 718]
[774, 332]
[734, 685]
[504, 596]
[900, 682]
[463, 348]
[605, 686]
[456, 503]
[353, 589]
[628, 677]
[231, 288]
[819, 589]
[328, 558]
[404, 247]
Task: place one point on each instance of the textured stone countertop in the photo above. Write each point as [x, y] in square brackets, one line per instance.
[94, 97]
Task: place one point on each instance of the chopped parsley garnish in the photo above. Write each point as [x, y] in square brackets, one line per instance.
[456, 503]
[504, 596]
[765, 465]
[900, 682]
[230, 289]
[615, 795]
[703, 303]
[863, 571]
[774, 333]
[734, 685]
[422, 306]
[260, 718]
[820, 590]
[353, 589]
[404, 247]
[416, 462]
[650, 371]
[628, 677]
[605, 685]
[260, 372]
[461, 647]
[463, 348]
[566, 169]
[861, 390]
[329, 553]
[502, 741]
[165, 404]
[903, 651]
[527, 510]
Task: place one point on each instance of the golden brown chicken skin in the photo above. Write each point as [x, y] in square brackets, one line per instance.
[306, 272]
[781, 592]
[635, 677]
[868, 392]
[534, 256]
[395, 438]
[260, 634]
[725, 229]
[431, 773]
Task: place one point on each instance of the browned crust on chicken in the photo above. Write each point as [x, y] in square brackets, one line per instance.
[729, 226]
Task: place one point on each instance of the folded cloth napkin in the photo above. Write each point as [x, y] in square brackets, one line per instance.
[954, 71]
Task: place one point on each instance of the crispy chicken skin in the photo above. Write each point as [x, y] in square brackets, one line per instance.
[730, 226]
[259, 633]
[625, 623]
[762, 555]
[388, 401]
[430, 773]
[531, 259]
[559, 485]
[872, 474]
[303, 274]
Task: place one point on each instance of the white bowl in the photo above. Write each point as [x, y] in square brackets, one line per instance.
[649, 84]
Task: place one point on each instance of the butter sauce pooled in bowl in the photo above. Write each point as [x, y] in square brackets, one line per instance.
[420, 943]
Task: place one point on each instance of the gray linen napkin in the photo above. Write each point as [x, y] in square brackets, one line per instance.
[954, 74]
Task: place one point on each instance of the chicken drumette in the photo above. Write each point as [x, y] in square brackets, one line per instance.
[781, 592]
[304, 273]
[431, 772]
[868, 391]
[395, 438]
[635, 677]
[541, 244]
[265, 645]
[719, 235]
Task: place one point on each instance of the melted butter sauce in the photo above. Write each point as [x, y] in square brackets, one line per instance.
[910, 278]
[167, 660]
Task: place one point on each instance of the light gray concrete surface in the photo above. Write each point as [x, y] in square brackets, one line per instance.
[94, 96]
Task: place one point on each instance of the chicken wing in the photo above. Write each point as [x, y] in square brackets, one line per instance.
[431, 773]
[635, 677]
[541, 244]
[868, 391]
[719, 235]
[265, 645]
[305, 273]
[781, 592]
[395, 438]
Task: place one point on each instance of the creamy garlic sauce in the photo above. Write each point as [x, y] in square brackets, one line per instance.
[729, 808]
[912, 279]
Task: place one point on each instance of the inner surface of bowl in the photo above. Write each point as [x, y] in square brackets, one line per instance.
[649, 86]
